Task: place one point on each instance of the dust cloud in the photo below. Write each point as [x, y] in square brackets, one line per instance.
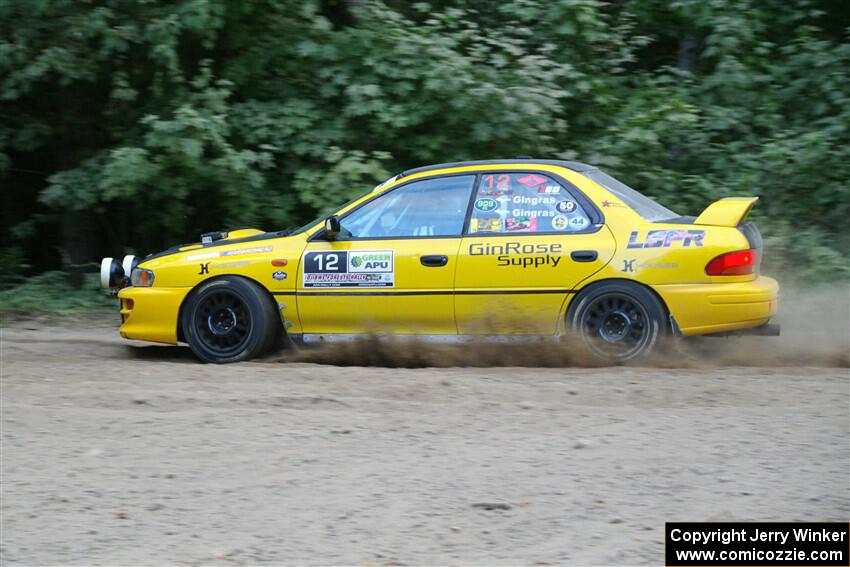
[815, 332]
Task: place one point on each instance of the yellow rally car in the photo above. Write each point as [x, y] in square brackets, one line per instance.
[503, 247]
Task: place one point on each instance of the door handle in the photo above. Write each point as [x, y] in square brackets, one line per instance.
[434, 260]
[584, 255]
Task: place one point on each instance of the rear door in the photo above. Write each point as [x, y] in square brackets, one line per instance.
[392, 267]
[531, 238]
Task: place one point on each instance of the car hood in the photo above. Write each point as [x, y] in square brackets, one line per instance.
[220, 238]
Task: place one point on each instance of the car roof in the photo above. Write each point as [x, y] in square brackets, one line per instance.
[573, 165]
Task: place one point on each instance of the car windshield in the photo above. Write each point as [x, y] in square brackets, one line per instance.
[322, 218]
[641, 204]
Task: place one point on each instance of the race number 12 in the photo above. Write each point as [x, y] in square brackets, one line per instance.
[322, 262]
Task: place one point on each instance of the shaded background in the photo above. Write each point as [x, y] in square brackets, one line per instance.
[131, 126]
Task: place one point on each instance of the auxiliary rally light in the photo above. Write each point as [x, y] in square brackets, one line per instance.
[115, 274]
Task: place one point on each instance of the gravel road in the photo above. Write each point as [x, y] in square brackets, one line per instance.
[126, 455]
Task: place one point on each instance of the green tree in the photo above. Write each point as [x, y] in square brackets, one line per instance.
[131, 126]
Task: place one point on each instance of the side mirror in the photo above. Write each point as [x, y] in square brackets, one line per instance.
[332, 227]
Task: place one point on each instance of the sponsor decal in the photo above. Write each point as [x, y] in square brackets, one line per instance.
[279, 275]
[204, 256]
[485, 225]
[532, 180]
[533, 201]
[528, 261]
[659, 265]
[225, 265]
[629, 266]
[666, 238]
[486, 249]
[521, 222]
[531, 213]
[521, 255]
[565, 206]
[615, 204]
[560, 222]
[550, 189]
[371, 261]
[208, 255]
[243, 251]
[495, 185]
[543, 201]
[486, 204]
[579, 222]
[348, 280]
[353, 268]
[205, 269]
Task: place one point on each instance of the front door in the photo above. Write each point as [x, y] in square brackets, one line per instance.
[531, 239]
[392, 268]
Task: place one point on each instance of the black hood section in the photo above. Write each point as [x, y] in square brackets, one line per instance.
[255, 238]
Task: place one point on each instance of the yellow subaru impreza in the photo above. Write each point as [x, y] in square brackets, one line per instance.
[484, 248]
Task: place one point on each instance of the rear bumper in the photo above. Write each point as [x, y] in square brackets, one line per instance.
[150, 313]
[701, 309]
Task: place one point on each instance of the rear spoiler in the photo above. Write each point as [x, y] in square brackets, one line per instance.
[727, 212]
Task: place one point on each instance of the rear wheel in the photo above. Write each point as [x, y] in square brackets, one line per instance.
[619, 321]
[230, 319]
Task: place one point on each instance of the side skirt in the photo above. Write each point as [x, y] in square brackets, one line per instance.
[313, 339]
[766, 330]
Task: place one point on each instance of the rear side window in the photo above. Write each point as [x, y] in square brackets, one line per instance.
[525, 202]
[641, 204]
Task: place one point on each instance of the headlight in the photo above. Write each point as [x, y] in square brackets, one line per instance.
[142, 277]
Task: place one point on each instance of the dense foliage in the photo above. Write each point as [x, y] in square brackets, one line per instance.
[129, 126]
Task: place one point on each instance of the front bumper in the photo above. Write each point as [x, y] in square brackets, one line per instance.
[701, 309]
[151, 313]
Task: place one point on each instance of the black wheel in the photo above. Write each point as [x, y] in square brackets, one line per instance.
[618, 321]
[230, 319]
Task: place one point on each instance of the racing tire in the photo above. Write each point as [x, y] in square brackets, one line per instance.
[230, 319]
[619, 321]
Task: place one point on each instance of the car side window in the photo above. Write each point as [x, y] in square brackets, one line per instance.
[431, 207]
[525, 202]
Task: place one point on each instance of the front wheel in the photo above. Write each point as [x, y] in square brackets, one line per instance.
[619, 321]
[228, 320]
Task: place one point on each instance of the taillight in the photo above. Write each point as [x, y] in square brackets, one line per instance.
[738, 263]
